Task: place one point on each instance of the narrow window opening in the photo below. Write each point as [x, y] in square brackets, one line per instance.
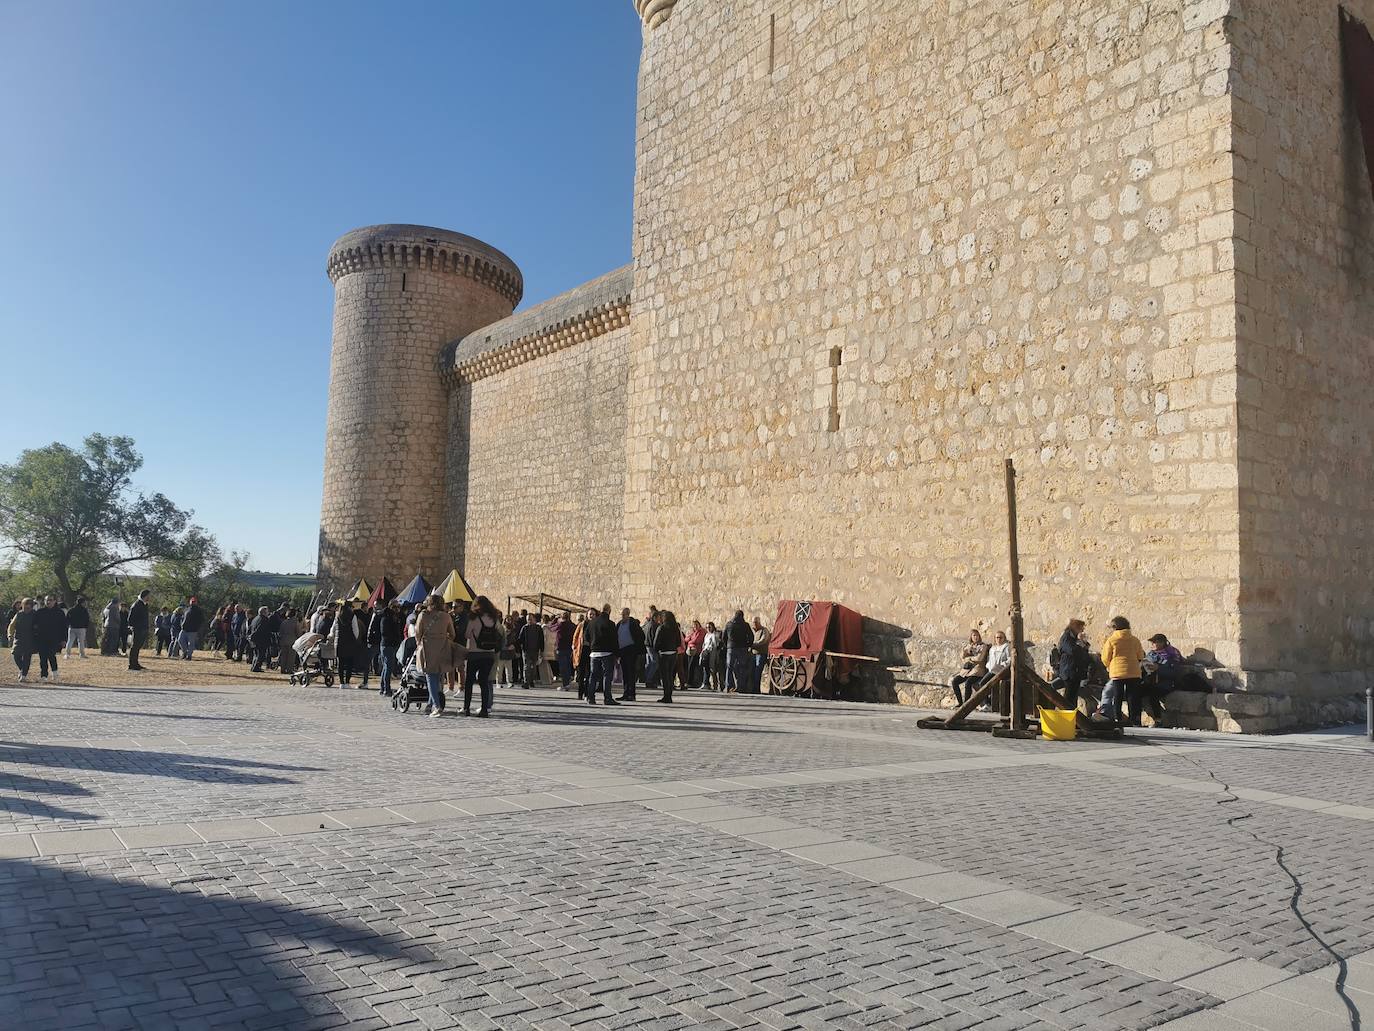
[772, 41]
[836, 358]
[403, 282]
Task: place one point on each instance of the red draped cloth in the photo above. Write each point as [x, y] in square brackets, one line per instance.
[804, 629]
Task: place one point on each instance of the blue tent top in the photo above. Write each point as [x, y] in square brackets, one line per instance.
[415, 592]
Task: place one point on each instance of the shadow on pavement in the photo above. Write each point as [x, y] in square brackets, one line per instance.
[210, 769]
[138, 955]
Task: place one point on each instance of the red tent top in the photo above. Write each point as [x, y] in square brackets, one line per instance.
[381, 594]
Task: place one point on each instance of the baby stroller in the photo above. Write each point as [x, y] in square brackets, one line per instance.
[412, 690]
[317, 660]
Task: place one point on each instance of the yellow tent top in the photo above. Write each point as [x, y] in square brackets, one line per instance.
[361, 592]
[455, 588]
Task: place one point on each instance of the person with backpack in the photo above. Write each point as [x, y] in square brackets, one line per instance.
[484, 639]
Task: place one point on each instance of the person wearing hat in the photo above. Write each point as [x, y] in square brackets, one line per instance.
[1163, 665]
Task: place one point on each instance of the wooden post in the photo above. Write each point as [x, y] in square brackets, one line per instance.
[1018, 633]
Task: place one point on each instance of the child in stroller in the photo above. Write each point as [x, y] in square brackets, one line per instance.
[412, 689]
[317, 660]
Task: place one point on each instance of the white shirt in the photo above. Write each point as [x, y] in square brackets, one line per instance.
[711, 641]
[999, 657]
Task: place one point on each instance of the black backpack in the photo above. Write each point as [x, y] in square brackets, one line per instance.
[488, 637]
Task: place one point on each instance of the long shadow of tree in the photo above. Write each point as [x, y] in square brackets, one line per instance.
[26, 804]
[82, 949]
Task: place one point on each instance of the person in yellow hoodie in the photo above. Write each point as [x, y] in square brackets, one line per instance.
[1122, 654]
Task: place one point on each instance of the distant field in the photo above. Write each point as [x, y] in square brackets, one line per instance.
[277, 581]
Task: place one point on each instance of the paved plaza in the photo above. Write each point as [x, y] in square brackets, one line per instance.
[266, 857]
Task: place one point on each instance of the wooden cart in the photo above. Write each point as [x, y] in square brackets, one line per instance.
[813, 649]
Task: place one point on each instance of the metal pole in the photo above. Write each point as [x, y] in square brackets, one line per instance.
[1369, 712]
[1018, 708]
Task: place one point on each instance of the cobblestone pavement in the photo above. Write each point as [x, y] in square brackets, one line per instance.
[266, 857]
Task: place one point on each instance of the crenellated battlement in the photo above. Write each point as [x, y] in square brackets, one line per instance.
[426, 249]
[654, 12]
[581, 314]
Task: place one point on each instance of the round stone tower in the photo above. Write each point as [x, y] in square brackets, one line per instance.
[400, 294]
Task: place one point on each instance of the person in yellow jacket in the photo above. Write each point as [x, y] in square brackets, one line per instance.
[1122, 654]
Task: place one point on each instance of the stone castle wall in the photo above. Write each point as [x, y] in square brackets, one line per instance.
[400, 294]
[1305, 326]
[884, 244]
[536, 460]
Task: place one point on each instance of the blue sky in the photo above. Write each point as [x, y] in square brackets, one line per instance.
[175, 172]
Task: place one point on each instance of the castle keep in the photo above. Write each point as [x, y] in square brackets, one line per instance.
[880, 245]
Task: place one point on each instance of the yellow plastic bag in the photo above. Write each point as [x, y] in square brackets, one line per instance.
[1058, 724]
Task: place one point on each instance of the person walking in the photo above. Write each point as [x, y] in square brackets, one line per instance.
[78, 626]
[630, 649]
[174, 649]
[529, 642]
[138, 627]
[50, 626]
[1122, 654]
[192, 626]
[23, 638]
[485, 639]
[434, 650]
[710, 645]
[667, 639]
[738, 640]
[602, 652]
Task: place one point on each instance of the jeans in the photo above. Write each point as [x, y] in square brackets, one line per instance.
[76, 635]
[22, 660]
[140, 638]
[602, 673]
[759, 662]
[565, 667]
[187, 643]
[1111, 697]
[478, 672]
[738, 676]
[529, 668]
[47, 656]
[435, 682]
[387, 657]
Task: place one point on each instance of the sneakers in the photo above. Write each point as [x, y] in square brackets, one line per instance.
[434, 714]
[44, 678]
[23, 678]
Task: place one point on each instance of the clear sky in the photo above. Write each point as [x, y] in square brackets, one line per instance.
[174, 173]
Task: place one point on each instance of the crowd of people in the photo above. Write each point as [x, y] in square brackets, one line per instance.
[476, 648]
[1138, 676]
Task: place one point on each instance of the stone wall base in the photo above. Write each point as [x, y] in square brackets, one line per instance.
[912, 671]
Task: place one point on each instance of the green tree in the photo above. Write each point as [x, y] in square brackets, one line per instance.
[76, 514]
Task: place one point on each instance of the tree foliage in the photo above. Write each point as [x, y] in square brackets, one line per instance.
[76, 514]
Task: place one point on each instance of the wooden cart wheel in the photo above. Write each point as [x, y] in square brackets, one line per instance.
[784, 674]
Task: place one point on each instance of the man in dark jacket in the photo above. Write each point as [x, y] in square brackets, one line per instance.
[78, 626]
[630, 648]
[739, 638]
[50, 628]
[603, 656]
[385, 633]
[260, 636]
[530, 640]
[192, 624]
[24, 638]
[138, 627]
